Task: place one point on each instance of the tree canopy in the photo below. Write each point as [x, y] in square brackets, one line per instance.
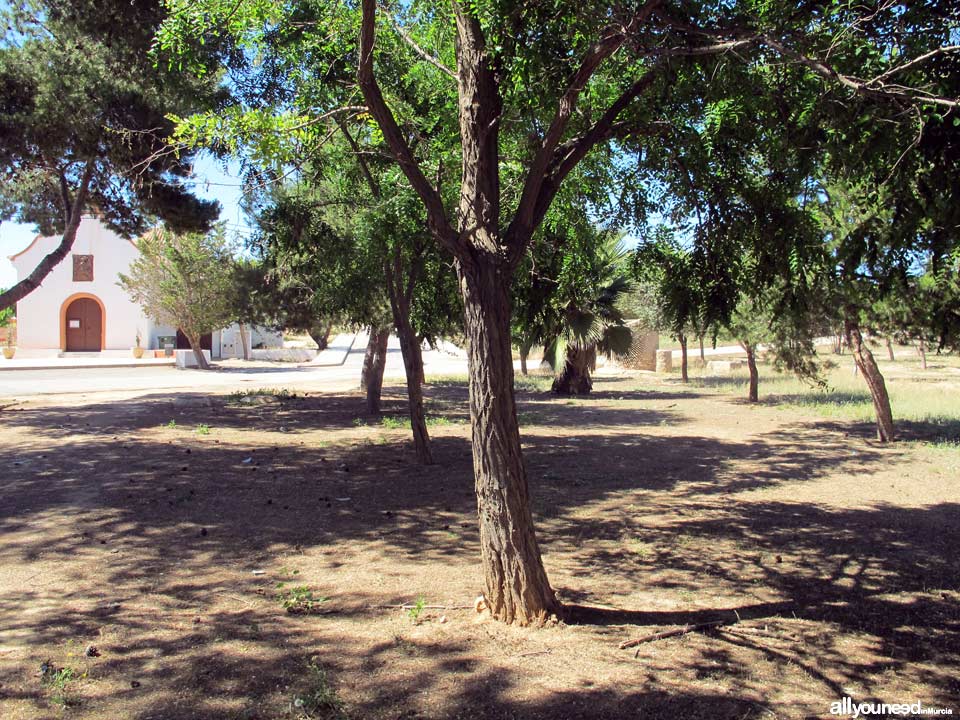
[84, 123]
[535, 93]
[185, 280]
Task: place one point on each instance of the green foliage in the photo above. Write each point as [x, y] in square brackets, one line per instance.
[6, 314]
[238, 396]
[687, 297]
[416, 610]
[568, 293]
[185, 281]
[57, 682]
[77, 88]
[320, 700]
[299, 599]
[203, 429]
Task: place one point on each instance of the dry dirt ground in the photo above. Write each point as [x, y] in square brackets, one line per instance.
[658, 506]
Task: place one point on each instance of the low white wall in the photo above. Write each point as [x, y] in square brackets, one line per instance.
[285, 354]
[186, 358]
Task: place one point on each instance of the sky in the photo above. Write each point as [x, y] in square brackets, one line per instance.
[212, 182]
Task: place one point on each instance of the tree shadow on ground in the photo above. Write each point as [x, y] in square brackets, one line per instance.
[175, 525]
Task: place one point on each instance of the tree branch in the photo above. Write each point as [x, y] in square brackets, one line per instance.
[361, 161]
[916, 61]
[568, 155]
[416, 48]
[479, 110]
[523, 223]
[436, 216]
[73, 209]
[858, 86]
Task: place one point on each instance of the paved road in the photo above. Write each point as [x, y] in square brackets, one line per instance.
[231, 375]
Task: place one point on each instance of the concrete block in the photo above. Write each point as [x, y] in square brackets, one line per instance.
[664, 361]
[723, 367]
[186, 358]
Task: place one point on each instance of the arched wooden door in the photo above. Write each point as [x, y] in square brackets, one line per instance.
[84, 321]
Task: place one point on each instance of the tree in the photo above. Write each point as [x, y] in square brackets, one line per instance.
[268, 298]
[185, 281]
[371, 265]
[574, 310]
[679, 275]
[83, 124]
[305, 256]
[591, 63]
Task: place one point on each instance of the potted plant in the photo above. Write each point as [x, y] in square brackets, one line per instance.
[9, 348]
[137, 350]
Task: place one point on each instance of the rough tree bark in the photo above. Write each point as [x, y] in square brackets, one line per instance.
[890, 349]
[574, 377]
[412, 362]
[867, 366]
[684, 376]
[194, 341]
[374, 363]
[320, 334]
[751, 350]
[517, 588]
[413, 365]
[72, 212]
[703, 354]
[486, 256]
[524, 354]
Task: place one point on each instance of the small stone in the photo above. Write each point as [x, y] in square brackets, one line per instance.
[443, 619]
[203, 532]
[134, 683]
[91, 651]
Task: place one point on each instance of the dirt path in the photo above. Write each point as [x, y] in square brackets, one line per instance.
[162, 546]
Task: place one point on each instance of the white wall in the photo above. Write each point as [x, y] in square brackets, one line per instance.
[38, 314]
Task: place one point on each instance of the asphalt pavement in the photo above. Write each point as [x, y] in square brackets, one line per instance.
[228, 376]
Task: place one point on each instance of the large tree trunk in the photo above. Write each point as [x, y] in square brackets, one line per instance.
[684, 376]
[201, 359]
[413, 365]
[890, 349]
[703, 355]
[320, 334]
[754, 394]
[517, 588]
[574, 378]
[922, 352]
[867, 366]
[374, 363]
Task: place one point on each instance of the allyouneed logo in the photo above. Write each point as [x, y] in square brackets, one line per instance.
[848, 707]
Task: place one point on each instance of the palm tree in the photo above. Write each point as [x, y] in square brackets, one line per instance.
[583, 318]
